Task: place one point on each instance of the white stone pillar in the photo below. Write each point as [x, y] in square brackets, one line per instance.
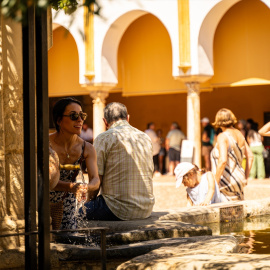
[98, 114]
[193, 119]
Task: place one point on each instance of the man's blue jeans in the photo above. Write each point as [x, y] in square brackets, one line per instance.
[97, 209]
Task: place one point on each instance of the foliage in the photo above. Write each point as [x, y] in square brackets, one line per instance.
[17, 9]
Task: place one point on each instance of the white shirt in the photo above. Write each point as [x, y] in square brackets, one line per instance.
[155, 140]
[198, 193]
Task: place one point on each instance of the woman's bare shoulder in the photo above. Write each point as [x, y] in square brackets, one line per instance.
[239, 137]
[221, 137]
[52, 135]
[89, 149]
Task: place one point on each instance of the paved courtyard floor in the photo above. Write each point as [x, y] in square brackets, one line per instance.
[169, 197]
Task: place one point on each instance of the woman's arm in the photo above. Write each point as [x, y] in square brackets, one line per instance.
[205, 137]
[67, 187]
[222, 145]
[249, 157]
[211, 189]
[265, 130]
[54, 172]
[92, 169]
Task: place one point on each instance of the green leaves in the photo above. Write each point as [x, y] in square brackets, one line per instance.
[16, 9]
[68, 6]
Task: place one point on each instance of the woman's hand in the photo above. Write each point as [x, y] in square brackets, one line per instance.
[80, 191]
[54, 172]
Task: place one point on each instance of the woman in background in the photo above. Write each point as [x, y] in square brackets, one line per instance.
[227, 156]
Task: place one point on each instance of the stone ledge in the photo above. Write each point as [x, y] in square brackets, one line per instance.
[202, 261]
[61, 254]
[126, 232]
[153, 222]
[211, 213]
[177, 230]
[175, 257]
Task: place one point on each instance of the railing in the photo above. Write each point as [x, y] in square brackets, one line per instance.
[102, 231]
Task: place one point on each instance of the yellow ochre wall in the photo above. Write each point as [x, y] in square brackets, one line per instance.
[241, 45]
[245, 102]
[240, 52]
[145, 59]
[63, 65]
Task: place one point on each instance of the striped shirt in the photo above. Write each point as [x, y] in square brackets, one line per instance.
[233, 179]
[125, 160]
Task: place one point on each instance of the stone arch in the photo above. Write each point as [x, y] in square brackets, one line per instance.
[63, 64]
[241, 46]
[112, 40]
[207, 33]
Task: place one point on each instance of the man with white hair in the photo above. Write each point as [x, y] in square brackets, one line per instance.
[125, 167]
[208, 136]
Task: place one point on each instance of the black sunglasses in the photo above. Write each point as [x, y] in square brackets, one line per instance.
[75, 116]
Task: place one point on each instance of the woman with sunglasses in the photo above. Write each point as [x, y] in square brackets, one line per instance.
[71, 149]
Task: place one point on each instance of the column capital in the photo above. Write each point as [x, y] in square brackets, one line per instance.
[99, 96]
[193, 88]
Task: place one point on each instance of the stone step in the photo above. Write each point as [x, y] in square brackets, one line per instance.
[141, 232]
[222, 244]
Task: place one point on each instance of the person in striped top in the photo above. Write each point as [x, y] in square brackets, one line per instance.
[227, 156]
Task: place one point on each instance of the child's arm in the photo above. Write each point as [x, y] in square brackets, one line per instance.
[211, 189]
[189, 201]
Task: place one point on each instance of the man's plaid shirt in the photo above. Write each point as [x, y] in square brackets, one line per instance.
[125, 160]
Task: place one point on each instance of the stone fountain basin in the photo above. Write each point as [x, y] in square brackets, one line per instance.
[174, 238]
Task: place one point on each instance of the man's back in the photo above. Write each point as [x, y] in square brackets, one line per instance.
[124, 157]
[176, 136]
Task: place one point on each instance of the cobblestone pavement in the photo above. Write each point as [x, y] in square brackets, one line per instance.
[169, 197]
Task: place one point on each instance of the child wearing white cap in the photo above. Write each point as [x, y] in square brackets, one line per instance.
[202, 188]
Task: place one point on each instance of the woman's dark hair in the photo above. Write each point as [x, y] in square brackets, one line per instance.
[59, 108]
[149, 125]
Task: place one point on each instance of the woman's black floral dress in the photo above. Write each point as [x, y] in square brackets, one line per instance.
[69, 202]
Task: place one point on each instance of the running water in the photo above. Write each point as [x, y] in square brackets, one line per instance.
[81, 198]
[80, 215]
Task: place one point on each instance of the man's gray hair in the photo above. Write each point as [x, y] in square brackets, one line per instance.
[115, 111]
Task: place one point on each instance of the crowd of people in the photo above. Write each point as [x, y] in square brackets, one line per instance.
[122, 160]
[170, 147]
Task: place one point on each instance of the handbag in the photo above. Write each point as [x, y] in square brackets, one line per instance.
[57, 210]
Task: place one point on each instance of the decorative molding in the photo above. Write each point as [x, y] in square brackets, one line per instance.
[184, 35]
[99, 96]
[89, 42]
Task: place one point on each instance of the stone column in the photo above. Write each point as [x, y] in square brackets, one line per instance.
[193, 119]
[98, 107]
[11, 130]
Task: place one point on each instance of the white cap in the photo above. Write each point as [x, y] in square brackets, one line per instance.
[205, 120]
[180, 170]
